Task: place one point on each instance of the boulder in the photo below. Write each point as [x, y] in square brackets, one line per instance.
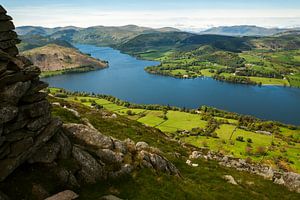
[65, 195]
[110, 157]
[120, 146]
[46, 154]
[141, 146]
[157, 162]
[230, 179]
[91, 171]
[65, 145]
[87, 136]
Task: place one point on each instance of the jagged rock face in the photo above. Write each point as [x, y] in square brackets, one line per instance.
[101, 157]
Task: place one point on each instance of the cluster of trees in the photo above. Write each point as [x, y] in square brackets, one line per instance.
[210, 128]
[261, 73]
[235, 79]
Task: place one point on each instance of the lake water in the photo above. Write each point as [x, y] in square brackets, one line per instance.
[126, 79]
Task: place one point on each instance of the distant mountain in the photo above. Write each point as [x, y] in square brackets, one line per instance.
[33, 41]
[53, 57]
[182, 41]
[96, 35]
[243, 30]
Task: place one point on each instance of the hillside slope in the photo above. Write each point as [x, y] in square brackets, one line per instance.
[53, 57]
[243, 30]
[97, 35]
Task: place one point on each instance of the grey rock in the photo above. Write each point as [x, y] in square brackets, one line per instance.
[91, 171]
[230, 179]
[120, 146]
[38, 123]
[141, 146]
[47, 154]
[65, 195]
[11, 94]
[157, 162]
[8, 113]
[36, 86]
[7, 166]
[87, 136]
[65, 145]
[110, 197]
[292, 181]
[110, 157]
[36, 109]
[18, 123]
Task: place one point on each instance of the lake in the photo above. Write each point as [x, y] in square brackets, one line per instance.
[126, 79]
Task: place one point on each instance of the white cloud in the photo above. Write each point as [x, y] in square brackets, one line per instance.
[185, 19]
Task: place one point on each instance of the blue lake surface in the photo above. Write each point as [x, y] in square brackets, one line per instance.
[126, 79]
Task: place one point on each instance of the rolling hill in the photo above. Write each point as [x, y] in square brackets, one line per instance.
[53, 57]
[243, 30]
[97, 35]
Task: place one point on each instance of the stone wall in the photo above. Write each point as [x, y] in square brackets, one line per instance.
[25, 114]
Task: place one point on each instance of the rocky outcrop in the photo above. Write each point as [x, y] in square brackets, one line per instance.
[102, 157]
[288, 179]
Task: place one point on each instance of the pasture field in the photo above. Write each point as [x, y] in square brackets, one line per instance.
[279, 148]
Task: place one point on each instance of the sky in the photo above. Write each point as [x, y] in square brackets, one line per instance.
[190, 15]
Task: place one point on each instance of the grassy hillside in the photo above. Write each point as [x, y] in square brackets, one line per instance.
[204, 182]
[54, 59]
[33, 41]
[210, 128]
[96, 35]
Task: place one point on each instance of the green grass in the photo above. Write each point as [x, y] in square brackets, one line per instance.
[179, 121]
[203, 182]
[270, 81]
